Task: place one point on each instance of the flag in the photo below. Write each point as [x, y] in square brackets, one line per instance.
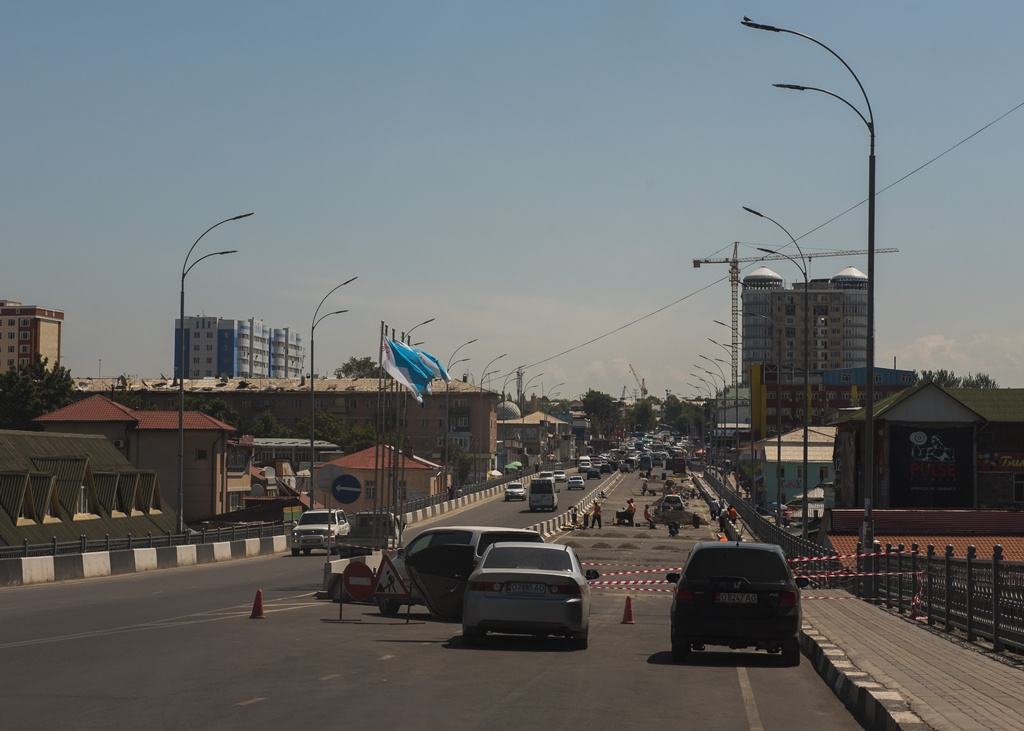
[433, 365]
[405, 367]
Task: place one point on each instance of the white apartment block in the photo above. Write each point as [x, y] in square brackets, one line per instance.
[216, 347]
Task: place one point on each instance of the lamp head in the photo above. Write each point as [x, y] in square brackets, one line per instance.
[759, 26]
[794, 87]
[751, 210]
[244, 215]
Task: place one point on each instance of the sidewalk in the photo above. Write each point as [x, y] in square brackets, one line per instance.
[894, 672]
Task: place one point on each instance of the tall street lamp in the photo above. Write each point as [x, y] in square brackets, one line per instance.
[713, 387]
[802, 266]
[312, 386]
[447, 408]
[185, 269]
[486, 430]
[522, 413]
[869, 121]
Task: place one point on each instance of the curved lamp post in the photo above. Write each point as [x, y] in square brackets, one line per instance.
[312, 386]
[487, 430]
[185, 269]
[802, 266]
[869, 121]
[522, 412]
[713, 389]
[447, 409]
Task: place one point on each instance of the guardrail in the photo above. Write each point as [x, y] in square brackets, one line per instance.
[83, 545]
[980, 597]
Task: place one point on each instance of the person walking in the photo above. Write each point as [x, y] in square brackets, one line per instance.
[597, 515]
[648, 517]
[733, 515]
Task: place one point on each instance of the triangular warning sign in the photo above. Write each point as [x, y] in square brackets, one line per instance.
[389, 582]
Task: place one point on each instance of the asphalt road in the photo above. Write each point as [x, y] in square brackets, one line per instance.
[177, 649]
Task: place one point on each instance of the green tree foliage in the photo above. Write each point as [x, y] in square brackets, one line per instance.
[33, 390]
[603, 412]
[641, 416]
[460, 461]
[359, 368]
[217, 408]
[949, 379]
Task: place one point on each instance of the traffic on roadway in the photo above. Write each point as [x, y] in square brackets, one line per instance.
[186, 648]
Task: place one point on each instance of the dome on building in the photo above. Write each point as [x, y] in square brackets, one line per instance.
[762, 278]
[850, 278]
[508, 411]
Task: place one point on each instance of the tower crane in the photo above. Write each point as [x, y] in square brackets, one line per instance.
[639, 382]
[734, 283]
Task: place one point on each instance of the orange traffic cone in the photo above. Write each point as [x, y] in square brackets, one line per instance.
[627, 613]
[257, 606]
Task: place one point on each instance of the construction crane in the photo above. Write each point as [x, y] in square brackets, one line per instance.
[734, 283]
[639, 382]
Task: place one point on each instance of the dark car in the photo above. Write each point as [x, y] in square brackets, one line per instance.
[738, 595]
[594, 473]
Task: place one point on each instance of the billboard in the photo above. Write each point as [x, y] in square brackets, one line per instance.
[931, 467]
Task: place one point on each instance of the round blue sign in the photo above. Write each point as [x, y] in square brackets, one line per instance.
[346, 489]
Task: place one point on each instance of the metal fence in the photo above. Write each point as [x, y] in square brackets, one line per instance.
[83, 545]
[983, 598]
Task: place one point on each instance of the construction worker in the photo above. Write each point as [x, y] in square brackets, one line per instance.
[648, 517]
[597, 515]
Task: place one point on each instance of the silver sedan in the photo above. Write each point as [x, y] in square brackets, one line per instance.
[528, 588]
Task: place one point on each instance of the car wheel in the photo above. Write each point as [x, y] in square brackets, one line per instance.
[388, 607]
[580, 643]
[681, 653]
[295, 552]
[791, 655]
[307, 551]
[471, 636]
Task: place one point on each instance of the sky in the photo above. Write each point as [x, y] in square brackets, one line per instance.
[537, 176]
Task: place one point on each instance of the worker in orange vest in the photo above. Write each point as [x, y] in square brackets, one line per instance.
[597, 515]
[733, 515]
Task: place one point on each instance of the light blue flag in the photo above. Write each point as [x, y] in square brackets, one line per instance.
[434, 365]
[406, 367]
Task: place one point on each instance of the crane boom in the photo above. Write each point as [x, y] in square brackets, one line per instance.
[734, 284]
[639, 382]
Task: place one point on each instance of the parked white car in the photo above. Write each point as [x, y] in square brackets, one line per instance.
[319, 529]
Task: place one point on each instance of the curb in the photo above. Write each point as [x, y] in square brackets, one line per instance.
[869, 701]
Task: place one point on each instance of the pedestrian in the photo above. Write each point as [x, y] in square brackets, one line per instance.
[648, 517]
[714, 509]
[733, 515]
[643, 487]
[597, 515]
[631, 510]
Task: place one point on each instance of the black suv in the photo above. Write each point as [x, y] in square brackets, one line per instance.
[738, 595]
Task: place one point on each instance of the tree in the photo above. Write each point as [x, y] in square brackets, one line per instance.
[603, 412]
[460, 461]
[949, 379]
[33, 390]
[359, 368]
[217, 408]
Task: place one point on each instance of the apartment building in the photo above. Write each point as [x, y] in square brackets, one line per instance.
[28, 330]
[216, 347]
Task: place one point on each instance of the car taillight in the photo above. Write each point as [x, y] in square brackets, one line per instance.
[565, 589]
[788, 599]
[683, 595]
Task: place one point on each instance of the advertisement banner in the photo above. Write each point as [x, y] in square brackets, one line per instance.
[1001, 462]
[931, 467]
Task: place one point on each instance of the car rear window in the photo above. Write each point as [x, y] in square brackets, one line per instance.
[755, 566]
[522, 557]
[488, 538]
[542, 488]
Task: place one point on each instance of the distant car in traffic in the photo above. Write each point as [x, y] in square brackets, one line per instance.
[576, 482]
[738, 595]
[560, 476]
[528, 588]
[515, 491]
[594, 473]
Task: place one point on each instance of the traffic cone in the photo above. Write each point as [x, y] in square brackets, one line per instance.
[627, 613]
[257, 606]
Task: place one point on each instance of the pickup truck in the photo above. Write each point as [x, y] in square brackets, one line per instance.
[321, 529]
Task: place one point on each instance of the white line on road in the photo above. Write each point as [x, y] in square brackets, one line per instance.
[753, 718]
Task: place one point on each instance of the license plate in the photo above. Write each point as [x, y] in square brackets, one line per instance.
[520, 587]
[729, 597]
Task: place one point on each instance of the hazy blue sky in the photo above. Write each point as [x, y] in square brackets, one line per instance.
[532, 174]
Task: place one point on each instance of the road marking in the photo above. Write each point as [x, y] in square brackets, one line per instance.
[753, 718]
[386, 657]
[331, 677]
[250, 701]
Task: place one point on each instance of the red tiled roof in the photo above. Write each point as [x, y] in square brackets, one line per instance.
[94, 408]
[1013, 546]
[101, 409]
[368, 460]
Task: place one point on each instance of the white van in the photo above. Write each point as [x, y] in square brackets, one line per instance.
[543, 494]
[584, 464]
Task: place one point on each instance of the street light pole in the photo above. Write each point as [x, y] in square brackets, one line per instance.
[869, 371]
[483, 376]
[807, 369]
[185, 269]
[312, 388]
[447, 408]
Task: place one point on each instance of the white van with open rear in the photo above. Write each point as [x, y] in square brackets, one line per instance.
[543, 494]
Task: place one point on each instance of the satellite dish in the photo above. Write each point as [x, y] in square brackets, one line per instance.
[257, 490]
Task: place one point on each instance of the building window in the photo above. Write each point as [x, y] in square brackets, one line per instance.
[353, 403]
[24, 348]
[25, 335]
[200, 455]
[297, 404]
[370, 489]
